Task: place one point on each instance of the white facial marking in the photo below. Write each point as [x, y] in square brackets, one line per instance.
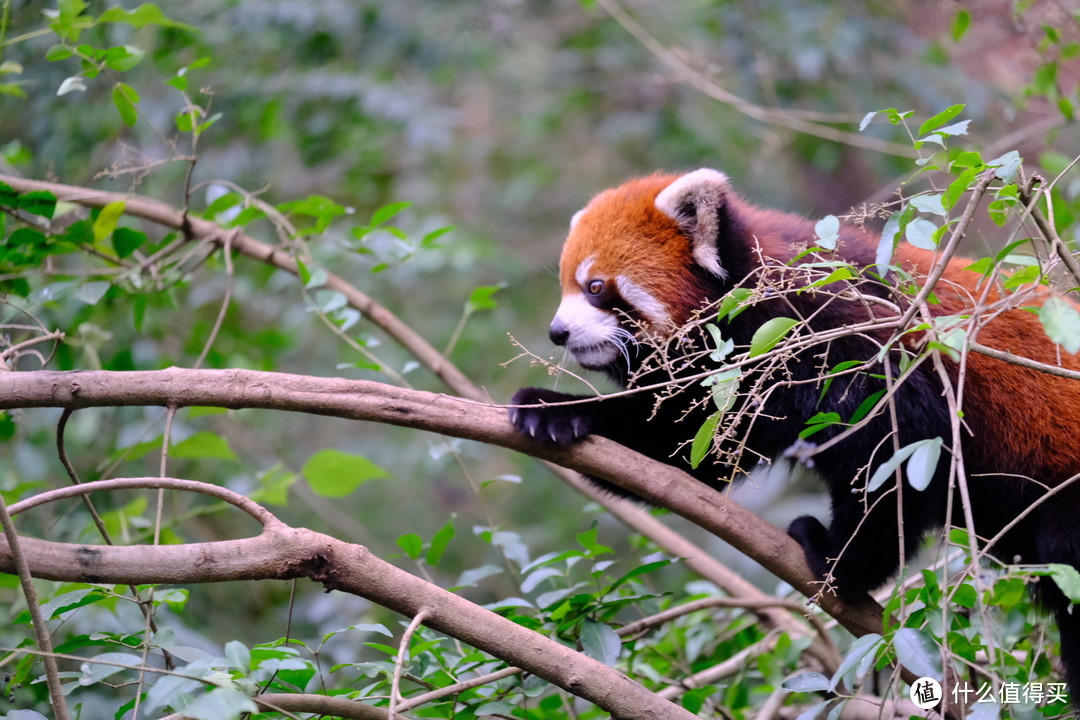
[592, 331]
[583, 270]
[640, 299]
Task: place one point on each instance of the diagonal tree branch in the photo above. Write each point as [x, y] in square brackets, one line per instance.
[660, 484]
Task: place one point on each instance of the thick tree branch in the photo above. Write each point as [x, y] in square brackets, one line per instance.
[660, 484]
[283, 553]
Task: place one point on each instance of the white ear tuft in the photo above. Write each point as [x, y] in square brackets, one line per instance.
[693, 201]
[576, 217]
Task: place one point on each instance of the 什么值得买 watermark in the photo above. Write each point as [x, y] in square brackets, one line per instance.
[927, 693]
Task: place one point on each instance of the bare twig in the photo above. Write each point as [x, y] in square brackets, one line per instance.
[772, 116]
[399, 662]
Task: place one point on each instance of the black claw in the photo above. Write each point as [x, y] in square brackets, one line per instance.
[561, 424]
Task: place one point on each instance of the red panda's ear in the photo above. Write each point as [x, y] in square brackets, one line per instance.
[694, 201]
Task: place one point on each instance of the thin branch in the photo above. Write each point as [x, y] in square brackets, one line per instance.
[946, 253]
[15, 349]
[61, 452]
[19, 565]
[456, 688]
[230, 277]
[399, 663]
[772, 116]
[263, 516]
[1023, 361]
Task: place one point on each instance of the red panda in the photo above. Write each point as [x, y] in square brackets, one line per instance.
[644, 259]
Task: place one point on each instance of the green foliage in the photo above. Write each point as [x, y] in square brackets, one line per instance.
[368, 132]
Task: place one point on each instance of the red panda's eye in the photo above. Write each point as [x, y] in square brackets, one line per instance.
[596, 287]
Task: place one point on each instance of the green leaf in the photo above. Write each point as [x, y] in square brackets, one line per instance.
[7, 425]
[68, 601]
[703, 439]
[481, 298]
[123, 58]
[940, 119]
[203, 444]
[274, 484]
[57, 53]
[430, 240]
[725, 387]
[918, 652]
[770, 334]
[734, 303]
[106, 220]
[920, 233]
[140, 17]
[828, 232]
[887, 243]
[1061, 320]
[855, 666]
[220, 704]
[960, 25]
[887, 468]
[126, 241]
[125, 98]
[929, 204]
[1067, 578]
[806, 682]
[109, 664]
[923, 463]
[38, 202]
[959, 128]
[386, 212]
[600, 642]
[239, 655]
[819, 422]
[865, 407]
[838, 368]
[637, 572]
[1007, 165]
[412, 544]
[840, 273]
[965, 596]
[333, 473]
[439, 542]
[92, 292]
[959, 186]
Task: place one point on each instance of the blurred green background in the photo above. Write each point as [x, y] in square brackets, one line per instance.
[500, 118]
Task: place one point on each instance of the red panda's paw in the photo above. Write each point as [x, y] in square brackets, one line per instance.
[562, 424]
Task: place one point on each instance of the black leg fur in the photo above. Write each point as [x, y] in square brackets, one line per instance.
[561, 425]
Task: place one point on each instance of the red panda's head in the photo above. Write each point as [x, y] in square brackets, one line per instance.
[638, 260]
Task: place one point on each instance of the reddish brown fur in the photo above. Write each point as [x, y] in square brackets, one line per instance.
[626, 235]
[1037, 413]
[1021, 427]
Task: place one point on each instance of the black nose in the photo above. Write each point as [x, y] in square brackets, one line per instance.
[559, 333]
